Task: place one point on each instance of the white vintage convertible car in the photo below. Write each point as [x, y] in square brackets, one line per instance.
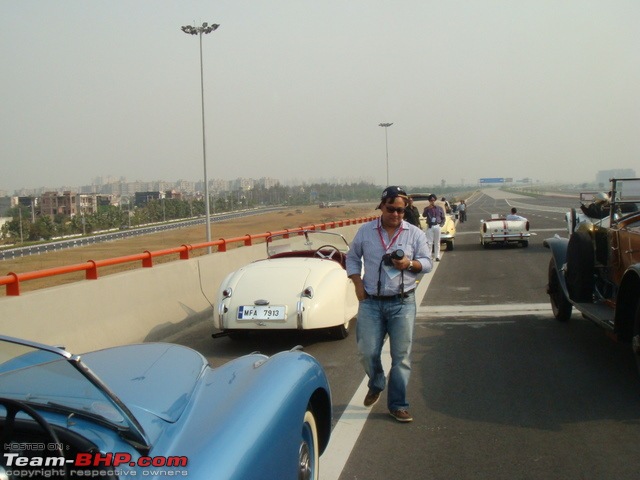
[499, 230]
[301, 285]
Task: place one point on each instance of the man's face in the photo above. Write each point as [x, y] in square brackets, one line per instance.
[393, 212]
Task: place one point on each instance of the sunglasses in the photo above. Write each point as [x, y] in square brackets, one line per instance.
[398, 210]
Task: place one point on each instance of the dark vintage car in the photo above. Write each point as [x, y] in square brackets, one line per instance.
[597, 269]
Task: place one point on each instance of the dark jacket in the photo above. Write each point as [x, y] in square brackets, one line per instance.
[412, 215]
[434, 212]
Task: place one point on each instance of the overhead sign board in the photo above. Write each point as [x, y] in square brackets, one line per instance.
[492, 180]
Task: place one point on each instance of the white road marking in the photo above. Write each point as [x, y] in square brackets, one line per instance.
[348, 428]
[503, 310]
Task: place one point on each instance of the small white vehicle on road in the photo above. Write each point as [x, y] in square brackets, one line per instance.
[500, 231]
[301, 285]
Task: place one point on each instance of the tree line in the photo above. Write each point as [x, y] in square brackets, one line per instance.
[28, 226]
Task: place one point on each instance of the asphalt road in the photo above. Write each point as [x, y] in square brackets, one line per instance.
[499, 388]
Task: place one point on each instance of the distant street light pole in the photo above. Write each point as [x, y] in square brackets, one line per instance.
[190, 30]
[386, 141]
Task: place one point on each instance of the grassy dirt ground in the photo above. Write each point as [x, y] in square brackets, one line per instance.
[293, 217]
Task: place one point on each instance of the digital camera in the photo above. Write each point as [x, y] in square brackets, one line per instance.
[395, 255]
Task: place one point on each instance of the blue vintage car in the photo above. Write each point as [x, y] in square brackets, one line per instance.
[159, 410]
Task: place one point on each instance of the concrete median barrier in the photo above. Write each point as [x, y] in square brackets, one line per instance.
[147, 304]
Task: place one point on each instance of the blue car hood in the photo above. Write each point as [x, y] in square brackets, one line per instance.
[155, 379]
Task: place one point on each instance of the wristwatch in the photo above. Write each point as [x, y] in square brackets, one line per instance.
[410, 267]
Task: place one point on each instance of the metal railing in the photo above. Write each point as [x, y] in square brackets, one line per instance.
[90, 267]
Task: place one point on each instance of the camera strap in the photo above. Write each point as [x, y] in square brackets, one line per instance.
[380, 278]
[393, 240]
[386, 248]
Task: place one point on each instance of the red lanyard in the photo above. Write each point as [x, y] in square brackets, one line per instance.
[395, 237]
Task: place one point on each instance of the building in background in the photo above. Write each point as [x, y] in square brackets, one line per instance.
[603, 176]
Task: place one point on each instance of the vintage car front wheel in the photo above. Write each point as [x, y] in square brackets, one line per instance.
[308, 455]
[560, 305]
[580, 267]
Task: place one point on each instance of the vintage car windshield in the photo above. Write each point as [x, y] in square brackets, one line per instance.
[307, 240]
[50, 377]
[626, 196]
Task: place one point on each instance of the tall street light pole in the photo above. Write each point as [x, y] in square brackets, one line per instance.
[386, 141]
[190, 30]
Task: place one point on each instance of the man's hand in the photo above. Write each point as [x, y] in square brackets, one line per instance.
[361, 294]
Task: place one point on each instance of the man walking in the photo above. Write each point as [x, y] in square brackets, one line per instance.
[393, 252]
[462, 211]
[412, 214]
[435, 220]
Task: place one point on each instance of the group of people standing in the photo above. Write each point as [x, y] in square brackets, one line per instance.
[392, 251]
[435, 216]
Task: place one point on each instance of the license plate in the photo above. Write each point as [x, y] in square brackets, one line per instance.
[262, 312]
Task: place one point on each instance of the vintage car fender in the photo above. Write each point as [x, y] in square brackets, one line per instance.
[558, 247]
[334, 298]
[267, 393]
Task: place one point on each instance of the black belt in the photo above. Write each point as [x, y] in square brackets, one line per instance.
[392, 297]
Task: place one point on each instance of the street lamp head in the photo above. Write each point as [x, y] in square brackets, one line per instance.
[385, 124]
[205, 28]
[210, 28]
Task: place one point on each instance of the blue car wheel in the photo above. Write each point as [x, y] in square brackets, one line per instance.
[308, 454]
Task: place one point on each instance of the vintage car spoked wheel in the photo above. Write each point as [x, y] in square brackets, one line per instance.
[308, 454]
[559, 304]
[328, 252]
[12, 408]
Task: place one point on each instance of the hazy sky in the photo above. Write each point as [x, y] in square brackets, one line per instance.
[295, 89]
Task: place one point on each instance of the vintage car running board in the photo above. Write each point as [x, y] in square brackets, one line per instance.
[597, 312]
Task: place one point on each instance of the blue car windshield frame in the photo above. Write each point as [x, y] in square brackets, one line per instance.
[54, 379]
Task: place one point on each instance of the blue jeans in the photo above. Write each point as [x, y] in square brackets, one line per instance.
[377, 318]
